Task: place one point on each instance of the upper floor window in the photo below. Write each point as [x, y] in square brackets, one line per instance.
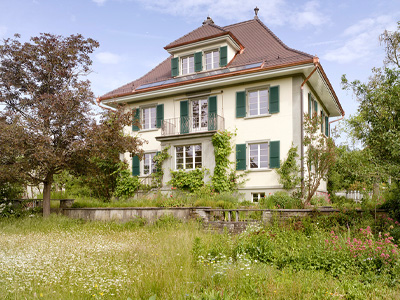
[258, 156]
[212, 59]
[258, 102]
[187, 65]
[149, 118]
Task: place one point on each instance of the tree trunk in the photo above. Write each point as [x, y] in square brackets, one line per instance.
[46, 195]
[375, 192]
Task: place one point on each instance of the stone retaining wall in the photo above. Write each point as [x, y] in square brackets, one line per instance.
[206, 214]
[125, 214]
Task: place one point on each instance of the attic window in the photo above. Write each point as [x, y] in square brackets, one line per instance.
[212, 59]
[187, 64]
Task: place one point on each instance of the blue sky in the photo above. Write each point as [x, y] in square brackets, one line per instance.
[132, 33]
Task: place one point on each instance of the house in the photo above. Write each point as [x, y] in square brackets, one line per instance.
[238, 77]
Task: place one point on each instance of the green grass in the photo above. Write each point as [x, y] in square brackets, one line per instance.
[61, 258]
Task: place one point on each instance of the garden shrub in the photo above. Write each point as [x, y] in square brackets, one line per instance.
[280, 200]
[187, 180]
[127, 185]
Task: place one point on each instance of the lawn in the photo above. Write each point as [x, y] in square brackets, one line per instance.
[60, 258]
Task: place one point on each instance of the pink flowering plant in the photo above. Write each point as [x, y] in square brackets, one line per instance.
[367, 252]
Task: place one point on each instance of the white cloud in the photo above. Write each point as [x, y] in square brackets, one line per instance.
[108, 58]
[99, 2]
[310, 15]
[3, 31]
[274, 12]
[360, 41]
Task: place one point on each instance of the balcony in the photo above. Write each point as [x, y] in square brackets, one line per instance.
[185, 125]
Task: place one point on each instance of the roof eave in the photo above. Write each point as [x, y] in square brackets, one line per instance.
[171, 48]
[231, 74]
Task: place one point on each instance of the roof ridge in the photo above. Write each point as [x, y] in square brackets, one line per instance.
[240, 23]
[218, 27]
[279, 40]
[213, 25]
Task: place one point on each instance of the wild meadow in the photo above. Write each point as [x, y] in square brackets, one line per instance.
[343, 256]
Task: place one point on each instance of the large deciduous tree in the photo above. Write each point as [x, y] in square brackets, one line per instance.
[377, 121]
[47, 125]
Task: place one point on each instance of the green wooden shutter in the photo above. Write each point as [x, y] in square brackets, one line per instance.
[274, 99]
[198, 64]
[184, 116]
[274, 157]
[240, 104]
[309, 105]
[136, 119]
[160, 115]
[241, 157]
[175, 66]
[135, 166]
[212, 113]
[326, 125]
[223, 56]
[316, 106]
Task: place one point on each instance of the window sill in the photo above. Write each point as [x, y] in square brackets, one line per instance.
[259, 116]
[260, 170]
[147, 130]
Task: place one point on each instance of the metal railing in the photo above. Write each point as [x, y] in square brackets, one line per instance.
[192, 124]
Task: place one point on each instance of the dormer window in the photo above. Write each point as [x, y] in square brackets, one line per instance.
[187, 64]
[199, 61]
[212, 59]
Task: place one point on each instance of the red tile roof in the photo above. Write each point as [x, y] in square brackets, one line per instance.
[203, 32]
[259, 43]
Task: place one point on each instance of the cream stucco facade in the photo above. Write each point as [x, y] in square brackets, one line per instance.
[260, 93]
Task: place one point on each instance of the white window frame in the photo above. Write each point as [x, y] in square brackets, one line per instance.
[257, 90]
[259, 161]
[260, 195]
[202, 119]
[188, 65]
[149, 113]
[151, 163]
[184, 157]
[214, 61]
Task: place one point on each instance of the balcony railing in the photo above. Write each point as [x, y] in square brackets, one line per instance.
[183, 125]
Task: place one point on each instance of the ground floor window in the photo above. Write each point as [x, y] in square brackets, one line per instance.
[149, 166]
[188, 157]
[256, 197]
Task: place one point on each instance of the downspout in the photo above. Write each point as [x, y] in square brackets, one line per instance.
[102, 106]
[316, 64]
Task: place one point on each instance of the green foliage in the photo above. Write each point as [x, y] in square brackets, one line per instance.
[127, 185]
[187, 180]
[289, 171]
[392, 203]
[319, 157]
[9, 191]
[159, 159]
[280, 200]
[377, 121]
[224, 178]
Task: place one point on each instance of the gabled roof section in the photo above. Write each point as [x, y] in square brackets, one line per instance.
[262, 45]
[261, 50]
[206, 31]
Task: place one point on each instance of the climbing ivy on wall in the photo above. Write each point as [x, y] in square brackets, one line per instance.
[224, 178]
[159, 159]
